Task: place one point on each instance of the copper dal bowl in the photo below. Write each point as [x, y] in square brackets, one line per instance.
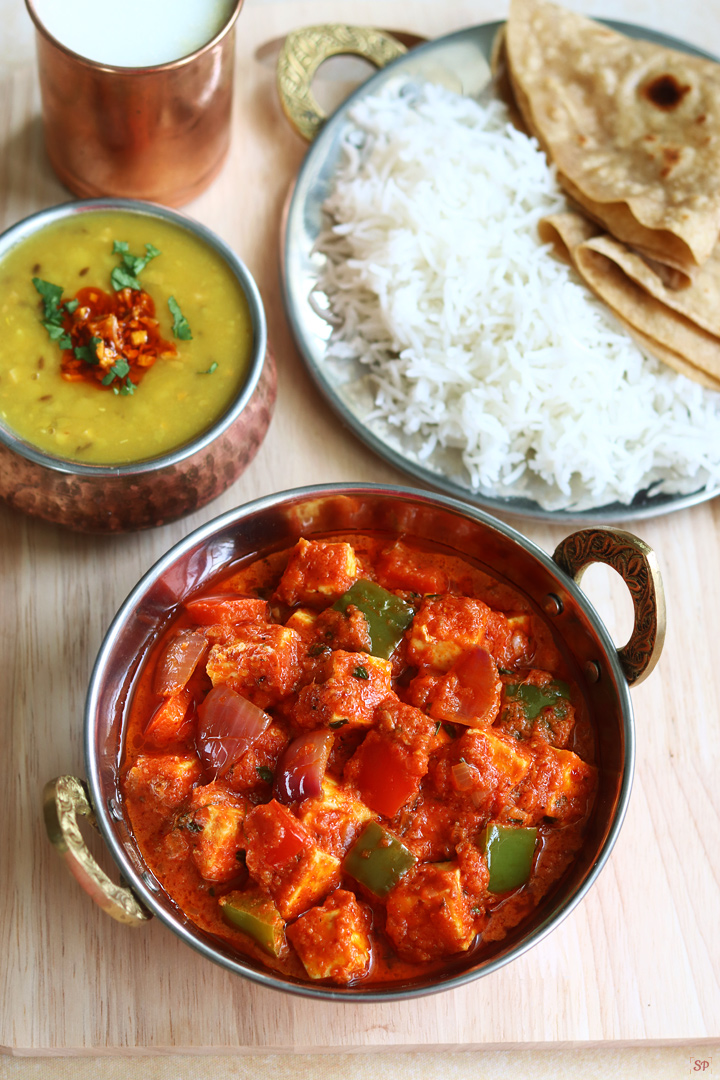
[138, 495]
[276, 522]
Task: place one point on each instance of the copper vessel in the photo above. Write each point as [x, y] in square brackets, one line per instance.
[159, 133]
[143, 494]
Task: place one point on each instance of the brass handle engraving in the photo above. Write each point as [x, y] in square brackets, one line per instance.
[64, 798]
[305, 50]
[637, 564]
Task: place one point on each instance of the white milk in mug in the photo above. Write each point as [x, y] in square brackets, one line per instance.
[134, 33]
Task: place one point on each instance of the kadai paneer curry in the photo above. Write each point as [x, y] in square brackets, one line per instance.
[358, 760]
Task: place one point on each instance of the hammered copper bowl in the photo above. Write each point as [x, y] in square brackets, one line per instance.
[116, 498]
[276, 522]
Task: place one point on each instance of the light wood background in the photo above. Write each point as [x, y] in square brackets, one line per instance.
[638, 962]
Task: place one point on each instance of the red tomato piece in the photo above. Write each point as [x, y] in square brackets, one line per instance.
[383, 778]
[275, 834]
[226, 608]
[166, 723]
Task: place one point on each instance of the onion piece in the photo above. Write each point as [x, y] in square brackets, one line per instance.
[181, 656]
[228, 725]
[301, 768]
[464, 776]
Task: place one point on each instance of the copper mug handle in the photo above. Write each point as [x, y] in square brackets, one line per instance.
[305, 50]
[637, 565]
[63, 799]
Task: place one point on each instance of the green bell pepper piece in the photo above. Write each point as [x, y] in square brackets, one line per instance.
[509, 852]
[378, 859]
[388, 617]
[256, 915]
[535, 698]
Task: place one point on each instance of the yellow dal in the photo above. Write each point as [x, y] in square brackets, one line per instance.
[174, 402]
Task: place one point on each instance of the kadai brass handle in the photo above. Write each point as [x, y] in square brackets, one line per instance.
[637, 565]
[305, 50]
[63, 799]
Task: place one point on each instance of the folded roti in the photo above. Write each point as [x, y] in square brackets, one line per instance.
[664, 331]
[633, 128]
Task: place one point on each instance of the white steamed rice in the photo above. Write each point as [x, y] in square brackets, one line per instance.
[478, 342]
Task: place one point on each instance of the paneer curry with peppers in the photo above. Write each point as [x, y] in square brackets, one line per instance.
[358, 760]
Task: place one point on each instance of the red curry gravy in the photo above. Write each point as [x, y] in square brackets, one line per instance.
[352, 818]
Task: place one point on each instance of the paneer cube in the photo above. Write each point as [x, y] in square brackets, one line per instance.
[507, 637]
[428, 914]
[317, 573]
[483, 770]
[303, 621]
[335, 818]
[281, 856]
[559, 786]
[317, 874]
[444, 628]
[262, 662]
[505, 758]
[352, 685]
[332, 941]
[164, 780]
[214, 819]
[402, 567]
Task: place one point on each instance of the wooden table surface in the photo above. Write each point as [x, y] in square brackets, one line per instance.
[639, 959]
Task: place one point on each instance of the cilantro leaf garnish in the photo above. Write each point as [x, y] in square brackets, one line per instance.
[120, 371]
[180, 327]
[208, 371]
[88, 353]
[265, 774]
[54, 311]
[50, 295]
[125, 276]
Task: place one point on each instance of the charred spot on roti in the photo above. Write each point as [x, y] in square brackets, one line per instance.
[665, 92]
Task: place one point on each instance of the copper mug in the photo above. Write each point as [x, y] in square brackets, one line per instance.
[158, 133]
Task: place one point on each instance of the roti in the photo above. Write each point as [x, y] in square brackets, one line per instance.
[633, 128]
[664, 331]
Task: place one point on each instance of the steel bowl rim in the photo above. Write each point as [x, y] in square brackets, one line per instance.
[235, 516]
[33, 223]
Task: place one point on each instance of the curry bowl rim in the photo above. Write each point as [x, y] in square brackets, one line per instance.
[560, 908]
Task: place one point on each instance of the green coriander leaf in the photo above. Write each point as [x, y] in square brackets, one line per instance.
[265, 774]
[128, 387]
[337, 723]
[121, 279]
[65, 342]
[181, 327]
[125, 276]
[54, 330]
[361, 673]
[88, 353]
[209, 371]
[50, 293]
[118, 371]
[71, 305]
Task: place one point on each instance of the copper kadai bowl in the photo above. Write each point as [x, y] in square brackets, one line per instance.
[138, 495]
[276, 522]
